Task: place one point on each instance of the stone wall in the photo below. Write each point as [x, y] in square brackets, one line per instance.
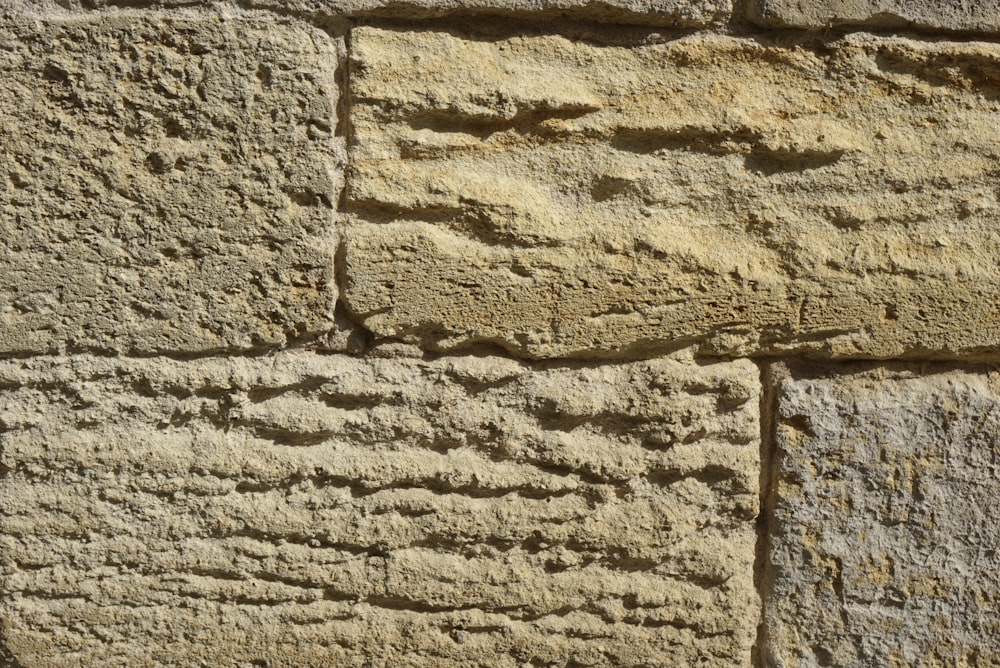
[370, 333]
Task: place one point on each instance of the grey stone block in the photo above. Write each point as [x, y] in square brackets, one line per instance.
[886, 521]
[964, 15]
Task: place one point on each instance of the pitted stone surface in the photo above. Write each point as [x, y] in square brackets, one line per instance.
[305, 510]
[887, 521]
[676, 13]
[964, 15]
[680, 13]
[165, 185]
[561, 198]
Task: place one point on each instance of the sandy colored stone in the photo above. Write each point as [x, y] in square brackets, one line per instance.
[560, 198]
[965, 15]
[886, 521]
[307, 510]
[680, 13]
[677, 13]
[165, 185]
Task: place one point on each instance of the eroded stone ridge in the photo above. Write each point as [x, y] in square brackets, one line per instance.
[676, 13]
[887, 521]
[971, 15]
[165, 185]
[305, 510]
[560, 198]
[680, 13]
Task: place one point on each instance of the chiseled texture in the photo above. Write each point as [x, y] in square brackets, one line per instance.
[561, 198]
[165, 185]
[677, 13]
[680, 13]
[306, 510]
[965, 15]
[887, 521]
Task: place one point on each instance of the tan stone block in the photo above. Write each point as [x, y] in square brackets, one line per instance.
[560, 198]
[166, 185]
[886, 521]
[680, 13]
[973, 16]
[306, 510]
[676, 13]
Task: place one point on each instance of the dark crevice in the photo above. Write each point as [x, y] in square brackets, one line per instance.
[324, 388]
[306, 386]
[702, 140]
[639, 351]
[474, 491]
[550, 416]
[340, 277]
[313, 541]
[375, 211]
[342, 75]
[619, 27]
[769, 463]
[974, 71]
[615, 560]
[709, 475]
[769, 163]
[360, 489]
[291, 437]
[524, 121]
[408, 605]
[361, 339]
[800, 423]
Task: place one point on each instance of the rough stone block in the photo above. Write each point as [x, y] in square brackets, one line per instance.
[306, 510]
[675, 13]
[974, 15]
[679, 13]
[165, 185]
[561, 198]
[886, 521]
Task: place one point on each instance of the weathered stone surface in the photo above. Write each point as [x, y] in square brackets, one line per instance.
[681, 13]
[560, 198]
[887, 521]
[676, 13]
[305, 510]
[165, 185]
[971, 15]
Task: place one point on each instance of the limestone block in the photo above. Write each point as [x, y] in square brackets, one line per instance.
[974, 16]
[675, 13]
[308, 510]
[165, 185]
[886, 521]
[561, 198]
[680, 13]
